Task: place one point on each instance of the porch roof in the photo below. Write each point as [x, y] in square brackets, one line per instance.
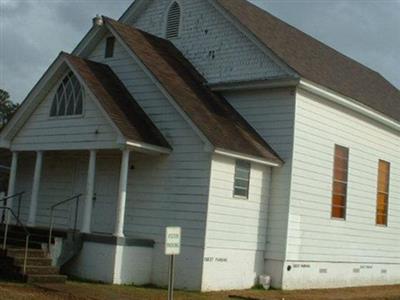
[116, 101]
[211, 113]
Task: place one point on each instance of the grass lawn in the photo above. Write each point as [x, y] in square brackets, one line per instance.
[90, 291]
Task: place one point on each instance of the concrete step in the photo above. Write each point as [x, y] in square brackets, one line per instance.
[39, 267]
[30, 270]
[41, 270]
[20, 252]
[46, 278]
[32, 261]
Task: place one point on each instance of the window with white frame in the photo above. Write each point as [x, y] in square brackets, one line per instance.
[173, 21]
[340, 182]
[242, 179]
[68, 100]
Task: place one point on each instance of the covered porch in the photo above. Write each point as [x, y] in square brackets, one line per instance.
[95, 179]
[96, 183]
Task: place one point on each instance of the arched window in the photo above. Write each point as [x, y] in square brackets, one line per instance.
[68, 100]
[173, 21]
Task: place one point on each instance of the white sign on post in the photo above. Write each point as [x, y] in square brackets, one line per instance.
[173, 241]
[172, 248]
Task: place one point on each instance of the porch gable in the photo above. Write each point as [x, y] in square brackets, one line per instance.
[42, 132]
[109, 117]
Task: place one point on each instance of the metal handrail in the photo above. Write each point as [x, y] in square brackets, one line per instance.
[27, 233]
[53, 207]
[19, 195]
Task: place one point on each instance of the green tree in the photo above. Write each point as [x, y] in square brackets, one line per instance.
[7, 108]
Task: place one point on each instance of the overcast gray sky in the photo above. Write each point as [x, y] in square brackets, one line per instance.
[33, 32]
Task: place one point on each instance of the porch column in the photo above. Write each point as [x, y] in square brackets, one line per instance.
[12, 179]
[87, 213]
[11, 184]
[123, 180]
[35, 189]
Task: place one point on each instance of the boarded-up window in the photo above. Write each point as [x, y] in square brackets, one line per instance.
[242, 179]
[340, 176]
[173, 21]
[383, 193]
[109, 51]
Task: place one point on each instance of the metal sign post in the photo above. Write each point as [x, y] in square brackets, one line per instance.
[172, 248]
[171, 277]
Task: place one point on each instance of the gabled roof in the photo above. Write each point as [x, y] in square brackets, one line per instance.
[114, 99]
[211, 113]
[118, 103]
[316, 61]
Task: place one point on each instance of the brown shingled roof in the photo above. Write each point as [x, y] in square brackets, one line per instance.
[210, 112]
[316, 61]
[115, 99]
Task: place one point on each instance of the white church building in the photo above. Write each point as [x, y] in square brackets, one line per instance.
[274, 153]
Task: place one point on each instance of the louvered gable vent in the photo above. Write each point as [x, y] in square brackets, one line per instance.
[173, 21]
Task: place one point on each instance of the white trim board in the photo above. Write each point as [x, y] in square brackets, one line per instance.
[145, 147]
[246, 157]
[348, 103]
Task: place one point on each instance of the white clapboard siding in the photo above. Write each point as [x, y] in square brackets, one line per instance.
[42, 132]
[162, 190]
[271, 113]
[57, 182]
[232, 222]
[313, 235]
[206, 38]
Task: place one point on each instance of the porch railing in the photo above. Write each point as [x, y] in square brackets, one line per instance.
[53, 207]
[27, 234]
[4, 200]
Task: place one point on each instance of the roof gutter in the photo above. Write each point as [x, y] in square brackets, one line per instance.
[247, 157]
[348, 103]
[145, 147]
